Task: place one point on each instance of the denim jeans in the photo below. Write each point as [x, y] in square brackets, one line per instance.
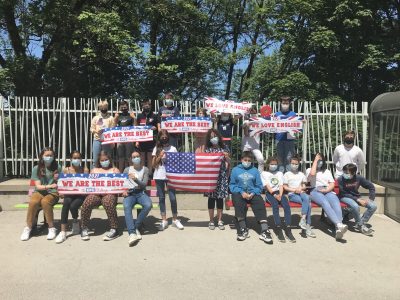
[160, 184]
[96, 149]
[285, 151]
[330, 203]
[275, 209]
[129, 203]
[305, 202]
[355, 210]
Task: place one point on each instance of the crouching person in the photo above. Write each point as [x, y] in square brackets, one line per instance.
[138, 177]
[349, 183]
[246, 188]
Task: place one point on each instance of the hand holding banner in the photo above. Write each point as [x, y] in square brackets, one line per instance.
[276, 125]
[186, 124]
[214, 105]
[77, 184]
[129, 134]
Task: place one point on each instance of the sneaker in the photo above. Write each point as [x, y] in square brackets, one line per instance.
[211, 226]
[138, 234]
[266, 237]
[289, 235]
[367, 231]
[132, 239]
[26, 233]
[163, 225]
[76, 229]
[303, 224]
[85, 234]
[309, 232]
[339, 234]
[112, 234]
[280, 236]
[243, 234]
[52, 233]
[61, 237]
[221, 225]
[342, 227]
[177, 224]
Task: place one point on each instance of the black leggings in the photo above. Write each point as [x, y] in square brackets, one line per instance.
[211, 203]
[71, 203]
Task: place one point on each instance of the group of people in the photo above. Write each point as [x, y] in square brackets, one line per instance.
[280, 177]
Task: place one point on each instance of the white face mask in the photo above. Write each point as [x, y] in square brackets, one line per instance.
[214, 140]
[246, 164]
[224, 118]
[136, 160]
[169, 102]
[285, 107]
[273, 168]
[294, 167]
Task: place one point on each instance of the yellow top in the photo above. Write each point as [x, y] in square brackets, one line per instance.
[100, 122]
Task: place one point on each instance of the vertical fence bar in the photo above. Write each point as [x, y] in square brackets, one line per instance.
[2, 138]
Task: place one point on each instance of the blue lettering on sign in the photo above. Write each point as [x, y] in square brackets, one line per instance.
[123, 139]
[90, 190]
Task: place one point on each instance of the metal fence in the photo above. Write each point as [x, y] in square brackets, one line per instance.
[28, 124]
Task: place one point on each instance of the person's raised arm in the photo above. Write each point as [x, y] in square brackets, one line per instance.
[314, 166]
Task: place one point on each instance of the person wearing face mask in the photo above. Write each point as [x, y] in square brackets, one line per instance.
[252, 143]
[225, 124]
[285, 141]
[108, 201]
[200, 137]
[100, 122]
[45, 196]
[160, 176]
[124, 119]
[294, 183]
[147, 118]
[322, 185]
[72, 202]
[349, 184]
[215, 144]
[169, 110]
[138, 177]
[246, 187]
[273, 184]
[348, 153]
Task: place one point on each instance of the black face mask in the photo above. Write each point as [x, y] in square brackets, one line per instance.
[164, 141]
[104, 111]
[125, 111]
[146, 110]
[349, 141]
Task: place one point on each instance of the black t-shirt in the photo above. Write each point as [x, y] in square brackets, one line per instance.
[225, 128]
[125, 120]
[150, 119]
[166, 112]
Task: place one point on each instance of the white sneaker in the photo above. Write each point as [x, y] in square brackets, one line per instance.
[85, 234]
[139, 236]
[342, 227]
[26, 233]
[163, 225]
[61, 237]
[52, 233]
[177, 224]
[76, 229]
[132, 239]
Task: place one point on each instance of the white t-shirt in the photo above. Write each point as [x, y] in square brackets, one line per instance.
[250, 142]
[343, 156]
[160, 172]
[294, 180]
[139, 174]
[274, 180]
[321, 179]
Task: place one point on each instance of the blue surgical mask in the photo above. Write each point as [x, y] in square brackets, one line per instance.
[246, 164]
[48, 159]
[169, 102]
[214, 140]
[320, 164]
[294, 167]
[224, 118]
[273, 168]
[76, 162]
[105, 164]
[136, 160]
[347, 176]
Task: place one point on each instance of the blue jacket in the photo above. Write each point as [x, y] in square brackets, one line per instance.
[283, 115]
[245, 180]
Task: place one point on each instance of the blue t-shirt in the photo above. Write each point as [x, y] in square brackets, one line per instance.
[225, 128]
[284, 115]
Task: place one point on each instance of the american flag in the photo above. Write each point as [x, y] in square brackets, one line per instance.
[195, 172]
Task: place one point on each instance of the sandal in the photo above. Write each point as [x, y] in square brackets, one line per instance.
[221, 225]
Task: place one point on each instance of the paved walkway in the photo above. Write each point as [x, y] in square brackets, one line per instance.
[199, 264]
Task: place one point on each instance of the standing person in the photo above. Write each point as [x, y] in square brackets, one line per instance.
[72, 202]
[285, 141]
[322, 184]
[294, 183]
[160, 176]
[252, 143]
[147, 118]
[272, 181]
[215, 144]
[349, 184]
[124, 118]
[109, 201]
[200, 137]
[45, 196]
[225, 124]
[348, 153]
[169, 110]
[246, 187]
[100, 122]
[138, 177]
